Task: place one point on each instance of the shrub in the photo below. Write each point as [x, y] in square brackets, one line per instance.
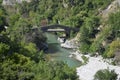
[112, 48]
[105, 75]
[85, 59]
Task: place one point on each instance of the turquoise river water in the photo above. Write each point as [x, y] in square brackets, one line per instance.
[57, 53]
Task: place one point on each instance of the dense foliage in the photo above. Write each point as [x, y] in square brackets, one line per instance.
[2, 18]
[112, 35]
[21, 48]
[105, 75]
[21, 45]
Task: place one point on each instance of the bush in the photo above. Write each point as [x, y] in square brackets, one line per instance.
[110, 52]
[84, 48]
[105, 75]
[85, 59]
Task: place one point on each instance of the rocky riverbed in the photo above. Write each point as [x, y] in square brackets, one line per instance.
[88, 70]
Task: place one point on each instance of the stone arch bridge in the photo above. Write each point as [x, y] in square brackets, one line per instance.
[58, 28]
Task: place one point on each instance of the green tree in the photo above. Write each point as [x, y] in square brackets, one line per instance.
[114, 46]
[105, 75]
[84, 40]
[2, 18]
[114, 22]
[13, 18]
[54, 71]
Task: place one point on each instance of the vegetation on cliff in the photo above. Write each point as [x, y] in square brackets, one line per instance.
[22, 57]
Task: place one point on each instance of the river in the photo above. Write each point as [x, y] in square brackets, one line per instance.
[57, 53]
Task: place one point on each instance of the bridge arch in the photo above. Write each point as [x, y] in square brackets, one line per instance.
[59, 28]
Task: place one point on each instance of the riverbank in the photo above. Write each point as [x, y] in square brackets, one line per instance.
[70, 44]
[56, 53]
[87, 71]
[94, 64]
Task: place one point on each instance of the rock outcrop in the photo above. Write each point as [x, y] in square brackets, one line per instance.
[13, 2]
[73, 43]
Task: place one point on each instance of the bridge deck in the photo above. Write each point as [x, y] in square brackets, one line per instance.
[56, 30]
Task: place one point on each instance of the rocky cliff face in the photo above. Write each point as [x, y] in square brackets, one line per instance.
[113, 7]
[12, 2]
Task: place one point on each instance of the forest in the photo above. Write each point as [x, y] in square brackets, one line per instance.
[21, 58]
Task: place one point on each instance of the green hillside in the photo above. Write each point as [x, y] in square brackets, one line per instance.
[20, 56]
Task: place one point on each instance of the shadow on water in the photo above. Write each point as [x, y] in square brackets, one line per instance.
[52, 48]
